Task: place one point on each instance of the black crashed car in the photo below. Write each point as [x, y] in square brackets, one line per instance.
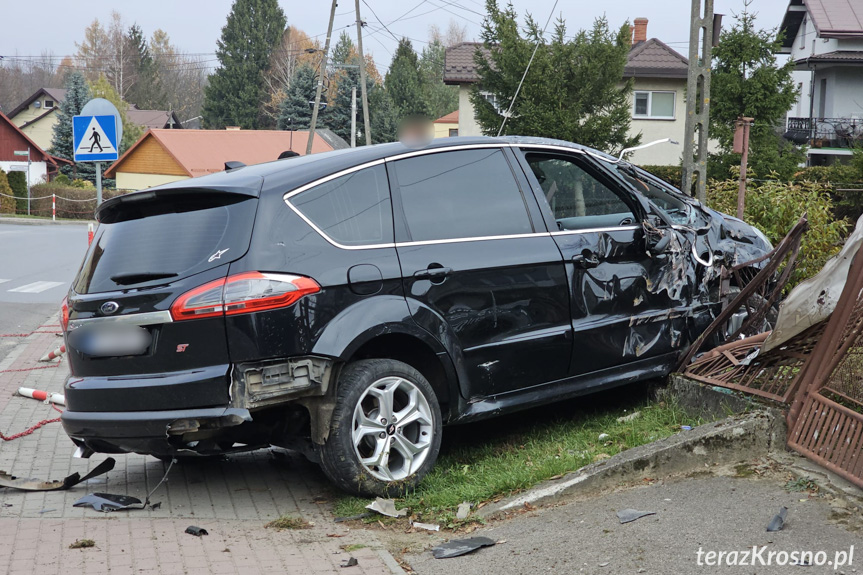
[351, 303]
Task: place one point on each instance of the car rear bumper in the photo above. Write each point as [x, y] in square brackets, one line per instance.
[203, 431]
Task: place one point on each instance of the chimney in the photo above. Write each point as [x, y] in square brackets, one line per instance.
[639, 31]
[232, 128]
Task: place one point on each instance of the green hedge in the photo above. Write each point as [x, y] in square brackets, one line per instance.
[18, 183]
[774, 208]
[671, 174]
[7, 204]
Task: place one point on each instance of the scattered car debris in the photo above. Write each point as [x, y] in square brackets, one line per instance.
[458, 547]
[31, 484]
[628, 515]
[107, 502]
[387, 507]
[196, 531]
[630, 417]
[352, 562]
[603, 436]
[426, 526]
[82, 544]
[463, 511]
[686, 427]
[778, 521]
[352, 517]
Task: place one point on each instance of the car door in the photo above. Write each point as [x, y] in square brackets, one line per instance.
[625, 302]
[480, 271]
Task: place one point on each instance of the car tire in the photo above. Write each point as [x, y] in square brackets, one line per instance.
[367, 452]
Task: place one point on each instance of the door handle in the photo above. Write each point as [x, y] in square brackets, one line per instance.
[433, 273]
[585, 260]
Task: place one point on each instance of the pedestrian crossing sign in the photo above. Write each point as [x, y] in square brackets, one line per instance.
[95, 138]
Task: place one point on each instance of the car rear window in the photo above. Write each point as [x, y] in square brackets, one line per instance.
[165, 239]
[353, 209]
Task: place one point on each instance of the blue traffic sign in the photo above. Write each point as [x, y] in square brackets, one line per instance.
[95, 138]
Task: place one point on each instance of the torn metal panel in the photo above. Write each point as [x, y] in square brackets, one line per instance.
[30, 484]
[106, 502]
[263, 384]
[814, 299]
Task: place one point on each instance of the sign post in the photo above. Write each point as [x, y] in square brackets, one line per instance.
[26, 153]
[95, 140]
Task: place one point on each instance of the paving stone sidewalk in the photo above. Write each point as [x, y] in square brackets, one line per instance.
[232, 499]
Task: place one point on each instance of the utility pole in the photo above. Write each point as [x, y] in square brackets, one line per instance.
[353, 116]
[741, 146]
[363, 76]
[321, 72]
[705, 27]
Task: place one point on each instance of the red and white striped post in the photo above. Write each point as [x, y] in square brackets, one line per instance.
[89, 234]
[53, 207]
[45, 396]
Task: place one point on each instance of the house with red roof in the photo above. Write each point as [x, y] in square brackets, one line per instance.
[162, 156]
[14, 145]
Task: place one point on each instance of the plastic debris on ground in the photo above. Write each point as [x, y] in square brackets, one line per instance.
[630, 417]
[387, 507]
[426, 526]
[196, 531]
[30, 484]
[778, 521]
[603, 436]
[463, 511]
[628, 515]
[458, 547]
[352, 562]
[107, 502]
[686, 427]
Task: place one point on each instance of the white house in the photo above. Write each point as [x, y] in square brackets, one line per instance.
[824, 38]
[658, 103]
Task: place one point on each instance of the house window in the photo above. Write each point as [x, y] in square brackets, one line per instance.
[656, 105]
[491, 99]
[453, 132]
[49, 104]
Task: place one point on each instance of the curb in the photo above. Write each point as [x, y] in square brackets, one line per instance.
[46, 222]
[735, 439]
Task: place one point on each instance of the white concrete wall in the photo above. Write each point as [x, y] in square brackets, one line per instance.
[654, 129]
[467, 124]
[38, 170]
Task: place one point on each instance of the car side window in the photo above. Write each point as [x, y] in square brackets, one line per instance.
[576, 197]
[353, 209]
[462, 194]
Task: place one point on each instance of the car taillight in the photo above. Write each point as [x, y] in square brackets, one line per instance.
[242, 293]
[64, 313]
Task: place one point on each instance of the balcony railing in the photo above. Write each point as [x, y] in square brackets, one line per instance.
[825, 132]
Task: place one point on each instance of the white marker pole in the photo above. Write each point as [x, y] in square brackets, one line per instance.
[98, 184]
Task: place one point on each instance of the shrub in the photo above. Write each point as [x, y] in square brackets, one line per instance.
[72, 203]
[18, 183]
[7, 203]
[774, 208]
[671, 174]
[62, 180]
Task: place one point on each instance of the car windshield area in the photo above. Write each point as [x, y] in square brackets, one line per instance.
[678, 210]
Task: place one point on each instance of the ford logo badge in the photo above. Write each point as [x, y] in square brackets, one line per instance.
[109, 307]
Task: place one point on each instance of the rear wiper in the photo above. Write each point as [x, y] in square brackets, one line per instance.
[140, 277]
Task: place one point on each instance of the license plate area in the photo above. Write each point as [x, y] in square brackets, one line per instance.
[111, 340]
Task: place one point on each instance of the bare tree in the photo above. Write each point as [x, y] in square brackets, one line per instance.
[293, 51]
[21, 76]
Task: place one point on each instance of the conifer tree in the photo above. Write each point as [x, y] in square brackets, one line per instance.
[236, 91]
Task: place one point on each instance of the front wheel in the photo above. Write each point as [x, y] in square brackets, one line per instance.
[385, 431]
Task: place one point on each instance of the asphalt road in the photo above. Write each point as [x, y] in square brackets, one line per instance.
[707, 514]
[37, 264]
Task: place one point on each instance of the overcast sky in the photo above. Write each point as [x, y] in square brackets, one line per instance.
[195, 25]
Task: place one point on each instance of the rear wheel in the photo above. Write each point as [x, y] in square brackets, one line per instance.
[385, 431]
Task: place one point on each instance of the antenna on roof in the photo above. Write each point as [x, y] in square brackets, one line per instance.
[232, 165]
[508, 112]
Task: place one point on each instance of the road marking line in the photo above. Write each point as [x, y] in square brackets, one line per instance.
[36, 287]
